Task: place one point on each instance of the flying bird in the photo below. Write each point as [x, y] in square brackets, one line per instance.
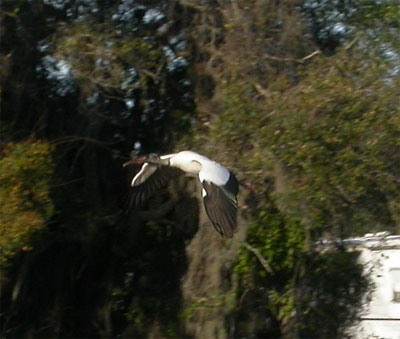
[220, 186]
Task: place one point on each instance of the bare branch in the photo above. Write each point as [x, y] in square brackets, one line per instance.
[260, 258]
[300, 61]
[310, 55]
[193, 4]
[261, 90]
[351, 44]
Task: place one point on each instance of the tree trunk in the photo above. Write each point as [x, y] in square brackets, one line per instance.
[206, 286]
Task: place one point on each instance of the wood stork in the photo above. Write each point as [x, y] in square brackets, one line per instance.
[220, 186]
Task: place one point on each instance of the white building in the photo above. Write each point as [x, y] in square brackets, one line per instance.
[380, 317]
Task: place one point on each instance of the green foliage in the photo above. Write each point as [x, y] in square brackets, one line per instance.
[328, 146]
[98, 57]
[26, 171]
[363, 22]
[322, 290]
[336, 134]
[329, 142]
[278, 238]
[375, 15]
[236, 124]
[12, 8]
[320, 139]
[330, 293]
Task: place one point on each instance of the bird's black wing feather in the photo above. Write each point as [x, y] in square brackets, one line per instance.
[221, 208]
[149, 180]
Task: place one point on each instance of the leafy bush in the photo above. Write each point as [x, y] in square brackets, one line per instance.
[336, 134]
[297, 291]
[26, 170]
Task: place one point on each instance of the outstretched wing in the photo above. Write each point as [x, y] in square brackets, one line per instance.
[221, 207]
[147, 181]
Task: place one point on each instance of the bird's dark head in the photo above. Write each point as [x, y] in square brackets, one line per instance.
[151, 158]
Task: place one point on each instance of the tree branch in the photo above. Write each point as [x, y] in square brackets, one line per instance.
[261, 259]
[300, 61]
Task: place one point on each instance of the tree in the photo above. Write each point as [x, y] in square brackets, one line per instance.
[298, 97]
[25, 204]
[313, 128]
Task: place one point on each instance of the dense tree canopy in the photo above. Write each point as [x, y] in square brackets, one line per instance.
[299, 97]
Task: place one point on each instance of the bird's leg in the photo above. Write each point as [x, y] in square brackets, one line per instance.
[249, 186]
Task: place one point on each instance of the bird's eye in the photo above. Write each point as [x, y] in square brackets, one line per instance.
[153, 156]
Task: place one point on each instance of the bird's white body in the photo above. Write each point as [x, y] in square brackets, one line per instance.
[197, 164]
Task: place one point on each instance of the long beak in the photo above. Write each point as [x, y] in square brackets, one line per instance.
[138, 161]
